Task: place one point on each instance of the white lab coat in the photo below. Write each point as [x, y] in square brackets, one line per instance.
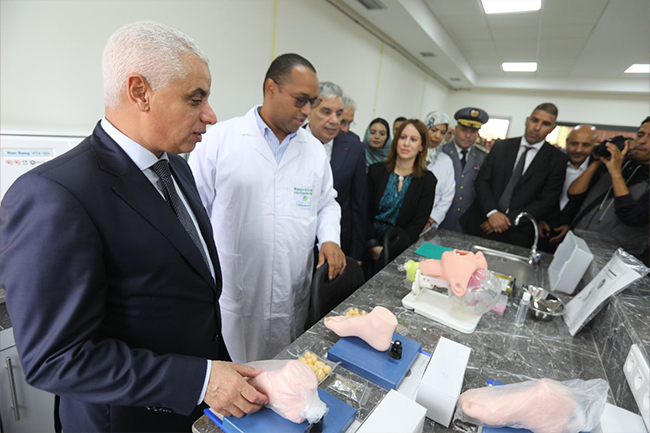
[443, 170]
[265, 217]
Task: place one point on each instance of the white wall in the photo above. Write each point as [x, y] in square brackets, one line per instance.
[604, 109]
[51, 56]
[50, 51]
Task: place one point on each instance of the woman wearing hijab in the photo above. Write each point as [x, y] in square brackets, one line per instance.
[401, 190]
[377, 141]
[441, 165]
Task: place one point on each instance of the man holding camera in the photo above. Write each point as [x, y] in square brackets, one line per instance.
[618, 202]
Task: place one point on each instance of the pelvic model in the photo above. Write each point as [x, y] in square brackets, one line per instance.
[375, 328]
[456, 267]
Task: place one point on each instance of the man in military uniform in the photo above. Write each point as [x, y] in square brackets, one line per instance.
[467, 160]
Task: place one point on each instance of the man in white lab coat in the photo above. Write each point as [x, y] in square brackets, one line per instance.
[267, 186]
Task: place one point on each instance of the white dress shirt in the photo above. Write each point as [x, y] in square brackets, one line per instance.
[144, 159]
[460, 149]
[572, 174]
[532, 153]
[328, 146]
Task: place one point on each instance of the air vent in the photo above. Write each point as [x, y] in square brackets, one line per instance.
[372, 5]
[427, 54]
[454, 79]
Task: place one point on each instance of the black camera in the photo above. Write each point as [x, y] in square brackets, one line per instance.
[601, 149]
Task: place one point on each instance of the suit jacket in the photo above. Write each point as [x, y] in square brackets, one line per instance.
[465, 178]
[352, 134]
[112, 305]
[537, 192]
[416, 207]
[349, 170]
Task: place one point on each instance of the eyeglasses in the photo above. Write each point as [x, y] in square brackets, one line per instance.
[301, 101]
[345, 123]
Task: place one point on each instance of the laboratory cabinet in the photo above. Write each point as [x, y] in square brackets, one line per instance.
[23, 408]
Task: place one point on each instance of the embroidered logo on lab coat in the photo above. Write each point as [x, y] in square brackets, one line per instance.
[302, 197]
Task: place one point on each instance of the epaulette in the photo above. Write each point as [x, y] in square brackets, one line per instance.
[481, 148]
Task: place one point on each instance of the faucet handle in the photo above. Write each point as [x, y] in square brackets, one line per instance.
[535, 256]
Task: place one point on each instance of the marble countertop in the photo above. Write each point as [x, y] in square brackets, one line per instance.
[5, 321]
[499, 349]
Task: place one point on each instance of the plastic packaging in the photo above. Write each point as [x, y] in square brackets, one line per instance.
[351, 389]
[483, 292]
[524, 304]
[543, 406]
[322, 367]
[292, 389]
[354, 312]
[618, 274]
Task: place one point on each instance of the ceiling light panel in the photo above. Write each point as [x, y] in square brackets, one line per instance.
[372, 5]
[510, 6]
[638, 68]
[519, 66]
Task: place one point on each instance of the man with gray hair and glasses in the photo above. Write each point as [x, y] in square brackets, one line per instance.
[120, 316]
[347, 119]
[347, 158]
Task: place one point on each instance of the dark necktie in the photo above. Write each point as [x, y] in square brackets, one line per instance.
[161, 168]
[504, 201]
[463, 160]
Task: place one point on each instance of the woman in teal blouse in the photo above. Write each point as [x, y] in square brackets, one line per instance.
[401, 190]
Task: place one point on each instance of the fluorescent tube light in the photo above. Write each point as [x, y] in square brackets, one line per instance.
[509, 6]
[638, 68]
[519, 66]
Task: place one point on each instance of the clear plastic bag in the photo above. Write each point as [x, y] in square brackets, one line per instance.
[350, 388]
[292, 389]
[483, 292]
[354, 311]
[321, 366]
[618, 274]
[543, 406]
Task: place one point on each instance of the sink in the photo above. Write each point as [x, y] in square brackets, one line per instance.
[508, 264]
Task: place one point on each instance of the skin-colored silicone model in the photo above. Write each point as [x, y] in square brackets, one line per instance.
[375, 328]
[455, 266]
[544, 407]
[289, 389]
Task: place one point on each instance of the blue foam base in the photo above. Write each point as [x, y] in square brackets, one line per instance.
[337, 419]
[357, 356]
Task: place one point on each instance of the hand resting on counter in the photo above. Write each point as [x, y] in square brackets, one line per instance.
[228, 390]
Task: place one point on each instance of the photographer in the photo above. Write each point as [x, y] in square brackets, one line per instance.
[623, 187]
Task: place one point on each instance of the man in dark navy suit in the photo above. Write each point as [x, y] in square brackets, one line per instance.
[107, 257]
[347, 159]
[521, 174]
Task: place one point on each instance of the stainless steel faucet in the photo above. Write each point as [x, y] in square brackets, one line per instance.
[534, 255]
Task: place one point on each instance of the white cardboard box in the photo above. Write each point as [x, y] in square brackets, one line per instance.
[443, 380]
[570, 261]
[395, 414]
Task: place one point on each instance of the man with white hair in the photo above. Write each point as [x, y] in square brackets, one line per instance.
[346, 155]
[119, 312]
[347, 119]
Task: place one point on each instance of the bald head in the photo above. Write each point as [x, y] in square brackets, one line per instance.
[580, 143]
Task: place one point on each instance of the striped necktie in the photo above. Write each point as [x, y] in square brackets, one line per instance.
[161, 168]
[504, 201]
